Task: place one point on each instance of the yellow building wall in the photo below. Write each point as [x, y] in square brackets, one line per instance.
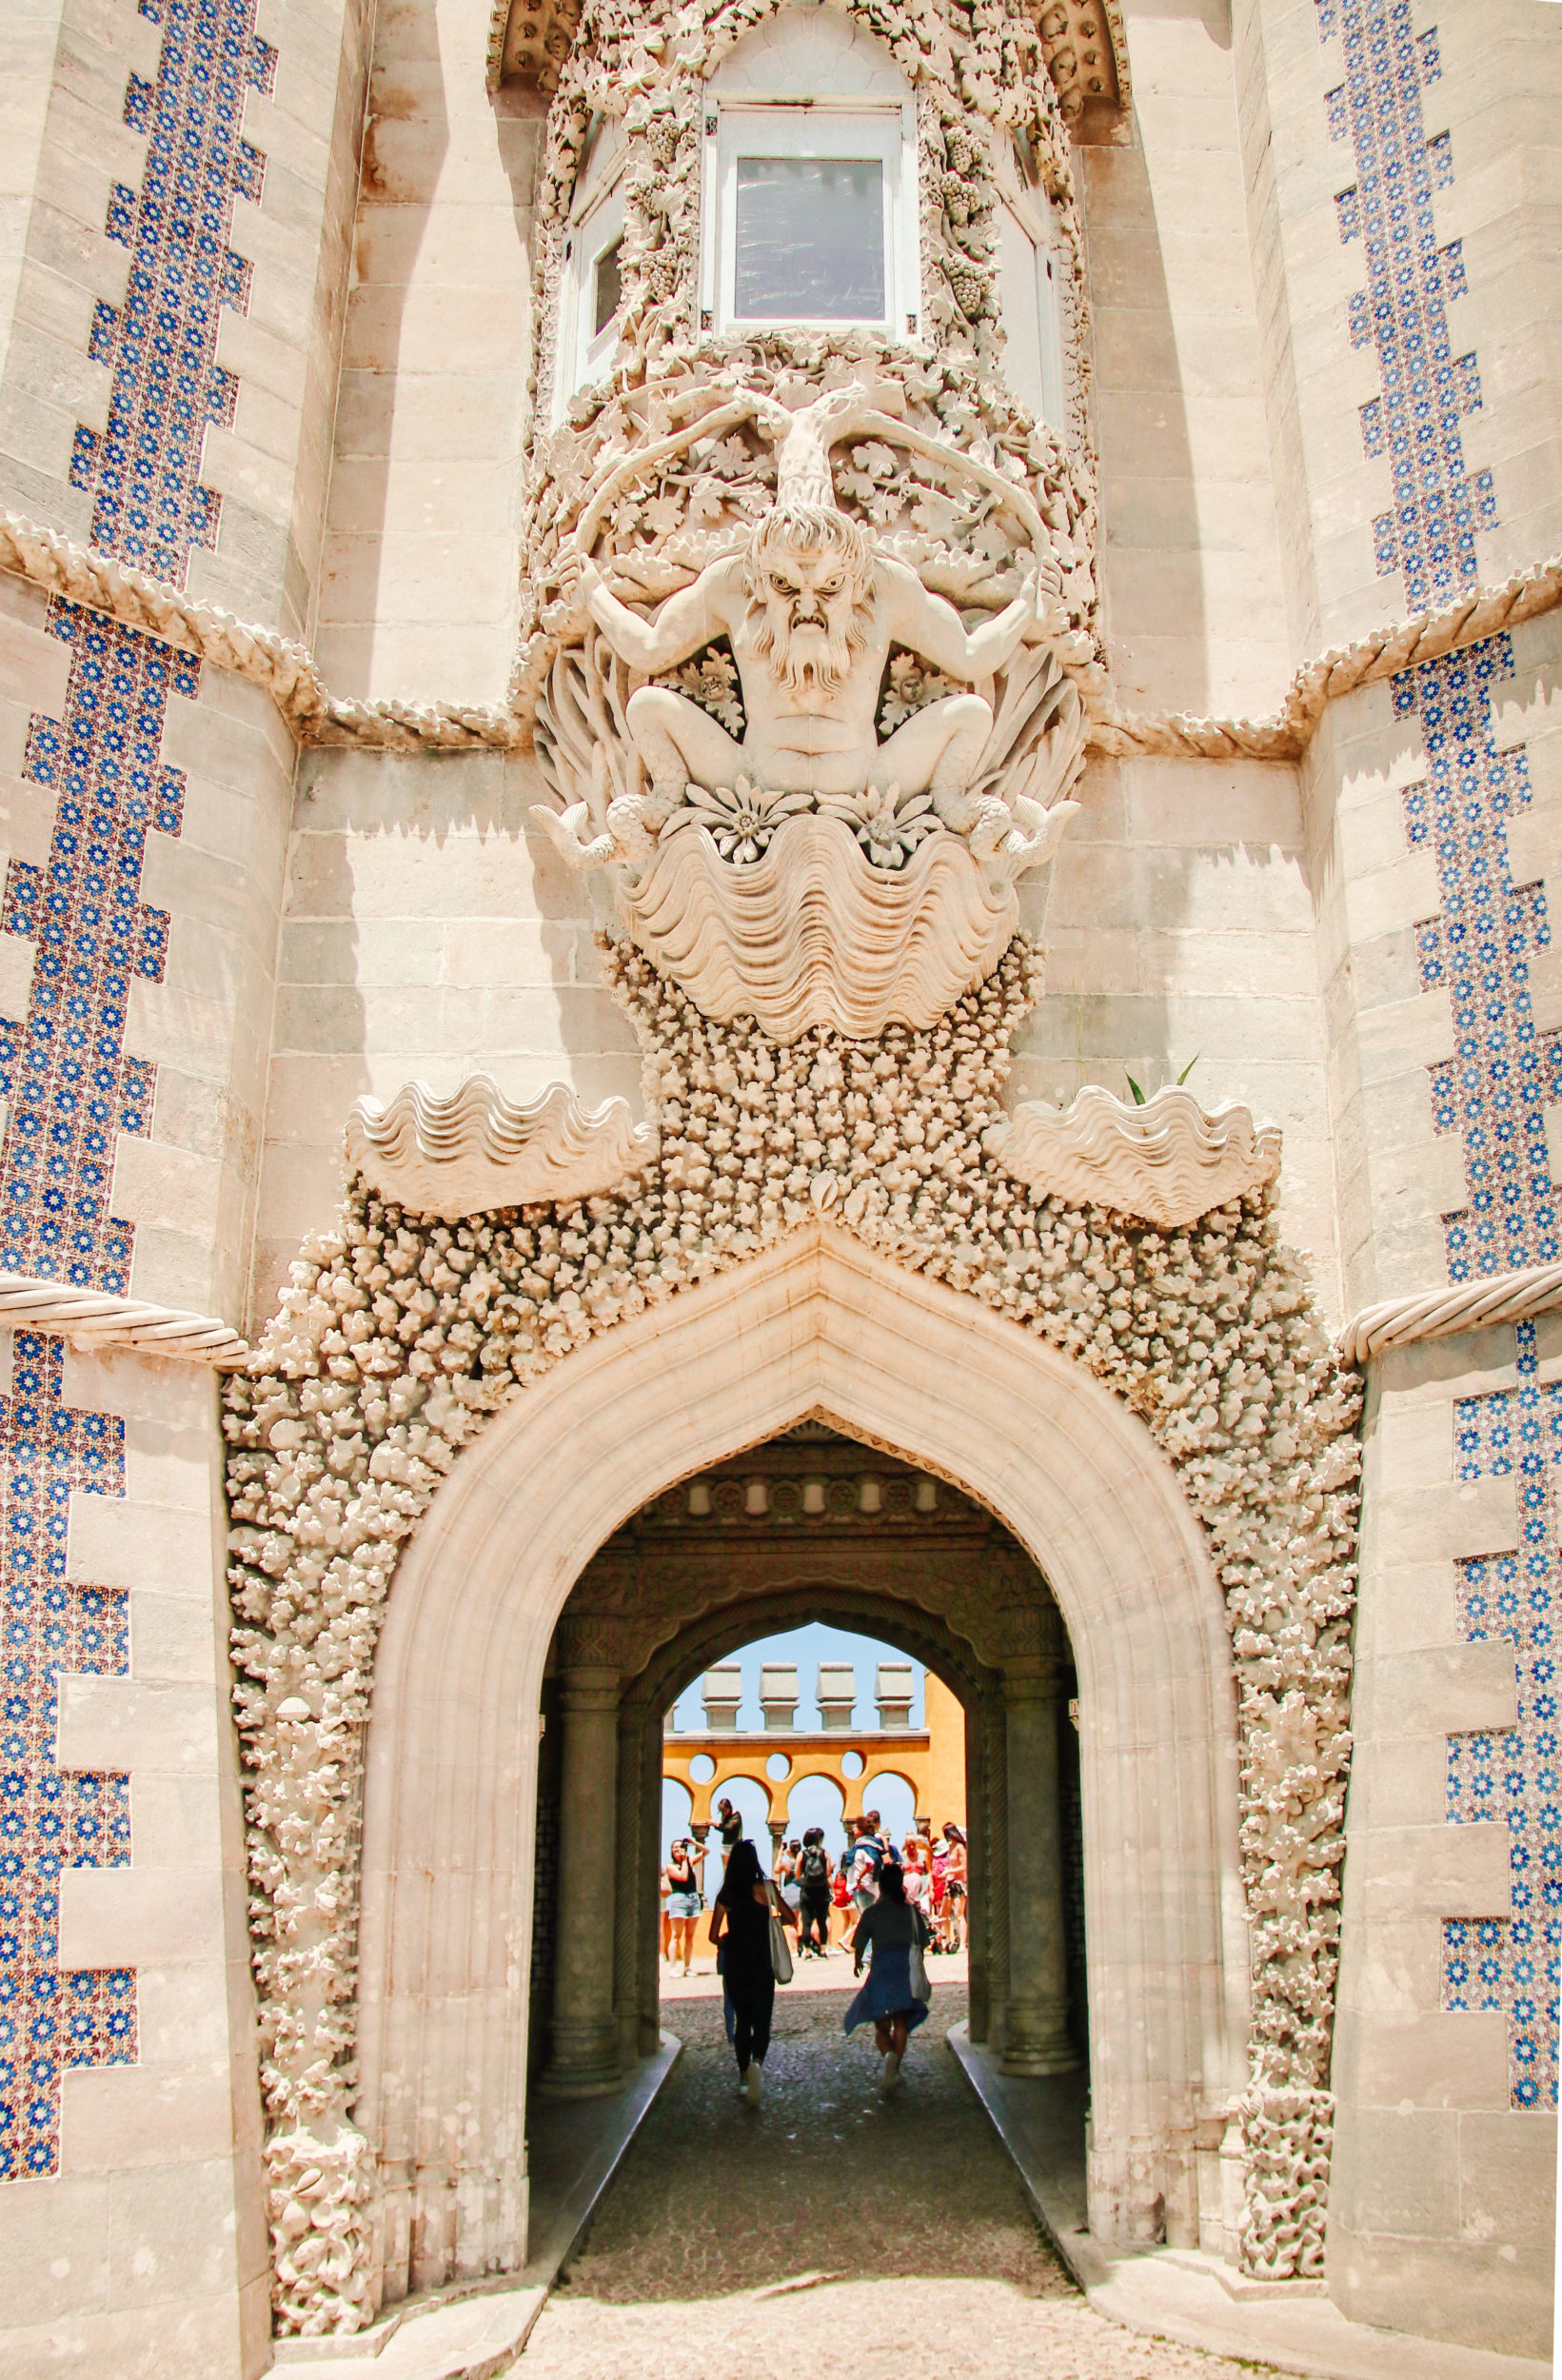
[945, 1722]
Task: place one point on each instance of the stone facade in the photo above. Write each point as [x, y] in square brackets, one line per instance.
[372, 996]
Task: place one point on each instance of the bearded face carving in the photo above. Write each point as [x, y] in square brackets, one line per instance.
[809, 576]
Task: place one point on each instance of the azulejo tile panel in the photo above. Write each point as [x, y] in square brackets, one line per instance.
[1514, 1963]
[70, 1083]
[1492, 1088]
[50, 1820]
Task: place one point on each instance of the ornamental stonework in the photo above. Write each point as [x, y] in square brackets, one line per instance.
[402, 1336]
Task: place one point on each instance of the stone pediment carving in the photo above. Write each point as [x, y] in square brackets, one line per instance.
[1166, 1163]
[474, 1149]
[822, 818]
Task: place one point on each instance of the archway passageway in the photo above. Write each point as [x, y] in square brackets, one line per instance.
[810, 1526]
[563, 1588]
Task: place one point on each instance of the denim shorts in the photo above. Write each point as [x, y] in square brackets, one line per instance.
[682, 1905]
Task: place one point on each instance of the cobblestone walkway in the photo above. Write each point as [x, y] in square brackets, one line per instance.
[831, 2235]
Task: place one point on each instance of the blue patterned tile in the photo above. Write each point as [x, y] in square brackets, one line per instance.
[70, 1084]
[1493, 1089]
[52, 1820]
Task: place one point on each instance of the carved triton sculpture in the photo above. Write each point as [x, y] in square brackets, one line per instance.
[753, 866]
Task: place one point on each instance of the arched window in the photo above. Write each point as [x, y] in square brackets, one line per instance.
[809, 186]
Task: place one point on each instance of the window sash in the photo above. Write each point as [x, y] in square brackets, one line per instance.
[884, 134]
[584, 352]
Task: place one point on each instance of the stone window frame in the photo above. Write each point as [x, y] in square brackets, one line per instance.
[790, 124]
[596, 220]
[1033, 212]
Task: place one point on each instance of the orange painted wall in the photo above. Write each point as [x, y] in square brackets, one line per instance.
[946, 1723]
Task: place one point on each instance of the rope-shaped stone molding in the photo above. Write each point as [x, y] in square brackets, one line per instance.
[1425, 636]
[400, 1335]
[1439, 1312]
[286, 671]
[95, 1317]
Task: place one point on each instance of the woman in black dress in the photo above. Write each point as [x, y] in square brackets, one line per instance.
[740, 1927]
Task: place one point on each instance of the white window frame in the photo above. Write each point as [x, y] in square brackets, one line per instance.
[582, 354]
[1031, 213]
[884, 131]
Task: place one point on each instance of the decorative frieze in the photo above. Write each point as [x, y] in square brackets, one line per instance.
[286, 671]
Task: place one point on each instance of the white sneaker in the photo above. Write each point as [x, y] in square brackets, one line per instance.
[754, 2084]
[890, 2075]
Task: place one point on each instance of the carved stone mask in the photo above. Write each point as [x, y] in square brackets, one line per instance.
[809, 576]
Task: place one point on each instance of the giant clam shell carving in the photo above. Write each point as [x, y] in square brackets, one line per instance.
[475, 1149]
[1166, 1163]
[813, 934]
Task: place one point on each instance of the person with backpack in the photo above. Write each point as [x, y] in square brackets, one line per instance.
[867, 1859]
[813, 1873]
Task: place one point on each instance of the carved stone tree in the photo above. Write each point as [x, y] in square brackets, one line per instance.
[805, 623]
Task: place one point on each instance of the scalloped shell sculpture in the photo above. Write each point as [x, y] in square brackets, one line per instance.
[1166, 1163]
[814, 934]
[475, 1149]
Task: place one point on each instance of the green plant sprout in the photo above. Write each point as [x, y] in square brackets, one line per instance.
[1140, 1099]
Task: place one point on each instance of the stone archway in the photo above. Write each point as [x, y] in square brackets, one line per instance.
[809, 1526]
[823, 1326]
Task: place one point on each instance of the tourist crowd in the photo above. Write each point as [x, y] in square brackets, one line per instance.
[888, 1905]
[827, 1897]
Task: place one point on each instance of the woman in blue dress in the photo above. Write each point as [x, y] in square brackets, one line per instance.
[890, 1928]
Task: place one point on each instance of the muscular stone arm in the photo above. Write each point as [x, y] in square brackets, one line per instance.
[932, 628]
[686, 622]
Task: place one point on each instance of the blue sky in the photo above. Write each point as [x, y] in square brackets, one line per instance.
[808, 1647]
[814, 1801]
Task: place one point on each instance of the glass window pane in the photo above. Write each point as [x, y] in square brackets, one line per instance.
[810, 239]
[608, 288]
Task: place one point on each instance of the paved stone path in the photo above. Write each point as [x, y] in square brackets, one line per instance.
[830, 2236]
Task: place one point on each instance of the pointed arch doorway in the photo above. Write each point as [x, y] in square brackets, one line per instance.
[821, 1327]
[809, 1526]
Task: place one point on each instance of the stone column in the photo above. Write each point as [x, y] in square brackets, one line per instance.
[1036, 2036]
[583, 2052]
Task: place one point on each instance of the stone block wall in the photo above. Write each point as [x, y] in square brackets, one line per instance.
[172, 268]
[1194, 609]
[429, 927]
[421, 581]
[1431, 831]
[1178, 926]
[229, 497]
[1442, 2209]
[1401, 166]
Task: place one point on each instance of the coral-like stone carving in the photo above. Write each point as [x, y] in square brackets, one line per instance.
[400, 1335]
[475, 1149]
[1166, 1163]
